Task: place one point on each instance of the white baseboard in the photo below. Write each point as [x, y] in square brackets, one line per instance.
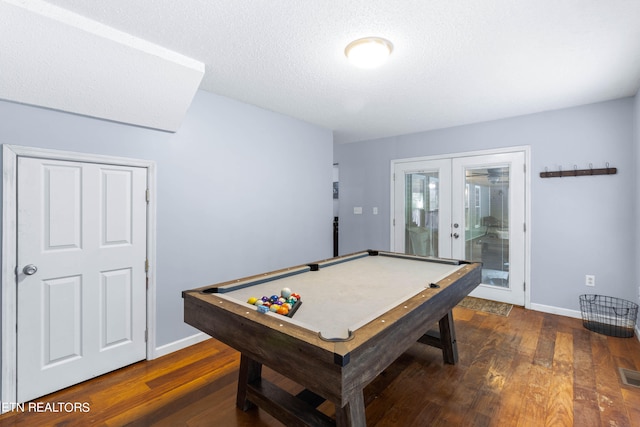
[568, 313]
[180, 344]
[557, 310]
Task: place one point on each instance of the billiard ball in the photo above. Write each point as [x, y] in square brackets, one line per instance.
[283, 310]
[285, 292]
[252, 300]
[258, 302]
[274, 308]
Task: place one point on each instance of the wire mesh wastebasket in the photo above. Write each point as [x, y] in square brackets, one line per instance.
[608, 315]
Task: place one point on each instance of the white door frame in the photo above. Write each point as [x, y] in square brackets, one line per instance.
[10, 154]
[527, 200]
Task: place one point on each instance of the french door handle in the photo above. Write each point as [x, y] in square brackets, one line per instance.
[29, 269]
[455, 235]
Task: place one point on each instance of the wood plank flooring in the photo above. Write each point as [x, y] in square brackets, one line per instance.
[528, 369]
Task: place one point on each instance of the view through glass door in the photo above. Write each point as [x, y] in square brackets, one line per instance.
[486, 222]
[470, 208]
[423, 200]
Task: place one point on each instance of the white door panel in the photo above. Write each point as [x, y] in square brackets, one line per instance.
[116, 293]
[83, 312]
[62, 319]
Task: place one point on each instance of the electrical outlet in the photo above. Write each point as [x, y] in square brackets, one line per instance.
[590, 280]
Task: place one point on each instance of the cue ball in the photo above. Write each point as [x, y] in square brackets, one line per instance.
[285, 292]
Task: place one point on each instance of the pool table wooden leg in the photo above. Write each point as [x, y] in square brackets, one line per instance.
[448, 339]
[250, 371]
[352, 414]
[444, 338]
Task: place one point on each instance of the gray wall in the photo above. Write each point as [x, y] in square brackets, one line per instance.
[579, 226]
[241, 190]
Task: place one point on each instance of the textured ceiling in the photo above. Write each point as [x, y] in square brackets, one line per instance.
[454, 62]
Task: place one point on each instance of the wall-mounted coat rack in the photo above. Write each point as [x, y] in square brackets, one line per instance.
[579, 172]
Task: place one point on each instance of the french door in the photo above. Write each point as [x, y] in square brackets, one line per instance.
[469, 207]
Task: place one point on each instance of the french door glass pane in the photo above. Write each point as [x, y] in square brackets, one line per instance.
[487, 222]
[421, 202]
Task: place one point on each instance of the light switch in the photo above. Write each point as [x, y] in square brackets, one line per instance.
[357, 210]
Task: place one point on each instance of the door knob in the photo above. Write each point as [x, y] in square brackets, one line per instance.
[29, 269]
[456, 235]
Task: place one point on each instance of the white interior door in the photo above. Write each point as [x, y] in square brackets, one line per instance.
[469, 207]
[82, 313]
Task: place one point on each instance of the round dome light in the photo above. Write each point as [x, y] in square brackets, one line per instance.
[368, 52]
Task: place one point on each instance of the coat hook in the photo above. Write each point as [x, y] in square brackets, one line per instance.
[559, 173]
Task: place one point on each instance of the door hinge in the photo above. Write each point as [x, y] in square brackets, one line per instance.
[146, 265]
[147, 195]
[524, 286]
[146, 335]
[524, 227]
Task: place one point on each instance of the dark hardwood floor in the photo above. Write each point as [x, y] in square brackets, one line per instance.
[528, 369]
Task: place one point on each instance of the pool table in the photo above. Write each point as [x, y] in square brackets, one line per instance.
[356, 315]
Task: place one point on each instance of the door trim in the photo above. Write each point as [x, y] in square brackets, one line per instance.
[527, 200]
[10, 154]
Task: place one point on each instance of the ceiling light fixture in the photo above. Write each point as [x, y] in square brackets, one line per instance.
[368, 52]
